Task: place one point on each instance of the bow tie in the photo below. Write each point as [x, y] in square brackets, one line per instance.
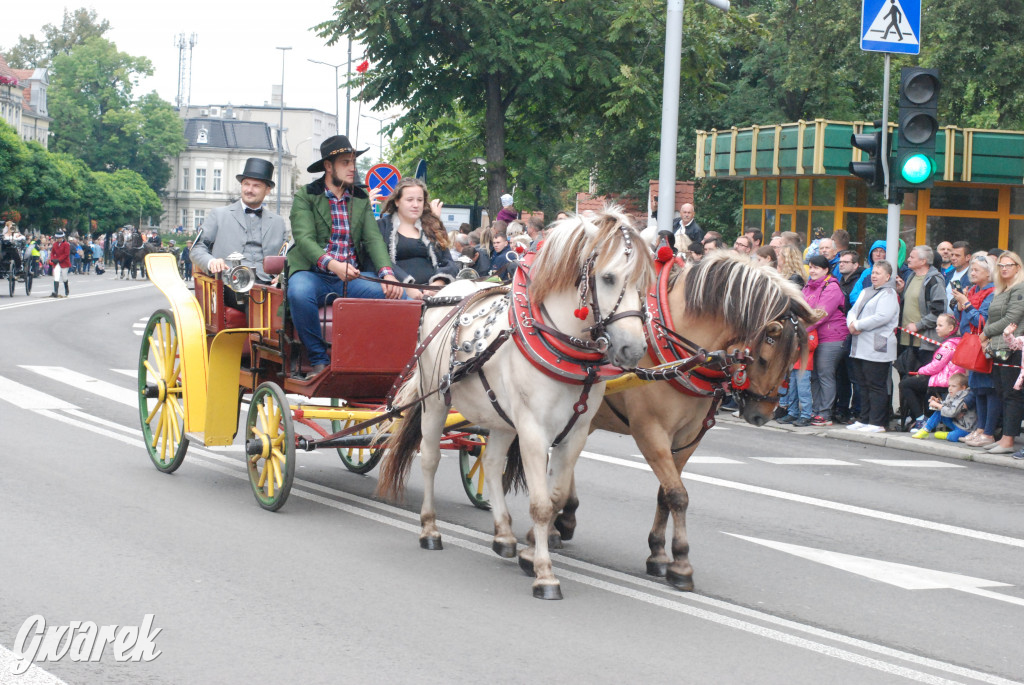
[257, 212]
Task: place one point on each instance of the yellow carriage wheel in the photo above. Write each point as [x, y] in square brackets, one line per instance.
[359, 460]
[270, 446]
[161, 393]
[471, 469]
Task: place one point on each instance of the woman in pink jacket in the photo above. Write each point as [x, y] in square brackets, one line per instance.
[933, 377]
[822, 292]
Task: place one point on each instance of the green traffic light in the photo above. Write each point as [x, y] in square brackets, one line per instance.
[917, 168]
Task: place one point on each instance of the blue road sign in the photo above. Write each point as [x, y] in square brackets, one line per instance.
[891, 26]
[421, 170]
[383, 176]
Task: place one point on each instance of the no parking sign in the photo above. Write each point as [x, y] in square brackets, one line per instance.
[383, 176]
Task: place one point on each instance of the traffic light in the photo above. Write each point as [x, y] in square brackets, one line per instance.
[919, 124]
[872, 171]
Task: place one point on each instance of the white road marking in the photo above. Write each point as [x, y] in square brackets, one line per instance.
[29, 398]
[88, 383]
[805, 461]
[818, 502]
[48, 300]
[674, 601]
[710, 460]
[915, 463]
[131, 373]
[901, 575]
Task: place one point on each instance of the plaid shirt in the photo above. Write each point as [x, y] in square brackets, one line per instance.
[340, 247]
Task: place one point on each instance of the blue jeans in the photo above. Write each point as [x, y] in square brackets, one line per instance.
[308, 291]
[937, 419]
[800, 394]
[989, 408]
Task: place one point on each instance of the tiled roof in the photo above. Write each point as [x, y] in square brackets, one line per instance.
[231, 134]
[23, 74]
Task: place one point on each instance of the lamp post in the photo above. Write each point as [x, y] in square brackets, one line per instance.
[280, 134]
[337, 119]
[380, 132]
[475, 219]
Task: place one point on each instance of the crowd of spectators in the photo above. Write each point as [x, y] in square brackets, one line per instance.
[886, 350]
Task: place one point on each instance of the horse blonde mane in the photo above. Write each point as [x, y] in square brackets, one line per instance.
[571, 241]
[748, 298]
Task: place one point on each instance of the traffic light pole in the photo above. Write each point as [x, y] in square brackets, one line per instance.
[893, 197]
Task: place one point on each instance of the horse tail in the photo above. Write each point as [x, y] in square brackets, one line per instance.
[400, 448]
[514, 477]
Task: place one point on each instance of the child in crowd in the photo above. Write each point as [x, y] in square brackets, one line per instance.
[798, 398]
[952, 413]
[934, 376]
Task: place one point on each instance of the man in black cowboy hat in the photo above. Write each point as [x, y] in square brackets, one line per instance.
[335, 236]
[245, 226]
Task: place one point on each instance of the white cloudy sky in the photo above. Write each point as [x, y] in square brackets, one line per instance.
[234, 60]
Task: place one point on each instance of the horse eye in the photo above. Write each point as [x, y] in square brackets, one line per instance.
[761, 362]
[609, 279]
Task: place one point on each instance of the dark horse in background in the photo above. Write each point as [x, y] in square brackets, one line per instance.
[130, 254]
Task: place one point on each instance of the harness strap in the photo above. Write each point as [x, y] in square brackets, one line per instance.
[707, 424]
[580, 407]
[493, 398]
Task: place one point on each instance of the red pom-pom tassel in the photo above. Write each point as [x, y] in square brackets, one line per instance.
[664, 254]
[581, 313]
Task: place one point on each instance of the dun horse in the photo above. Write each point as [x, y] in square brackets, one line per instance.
[724, 303]
[578, 306]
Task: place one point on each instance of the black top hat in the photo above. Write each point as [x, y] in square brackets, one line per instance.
[259, 169]
[335, 145]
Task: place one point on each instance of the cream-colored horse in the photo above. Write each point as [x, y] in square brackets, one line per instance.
[584, 268]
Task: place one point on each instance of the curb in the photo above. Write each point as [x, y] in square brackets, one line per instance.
[901, 441]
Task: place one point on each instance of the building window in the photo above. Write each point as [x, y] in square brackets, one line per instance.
[216, 180]
[184, 178]
[184, 218]
[200, 179]
[198, 217]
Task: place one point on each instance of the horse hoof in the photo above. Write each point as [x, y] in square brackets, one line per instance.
[657, 568]
[431, 543]
[505, 550]
[547, 591]
[554, 541]
[564, 530]
[680, 581]
[527, 566]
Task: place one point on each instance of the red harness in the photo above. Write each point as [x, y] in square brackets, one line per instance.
[665, 346]
[570, 361]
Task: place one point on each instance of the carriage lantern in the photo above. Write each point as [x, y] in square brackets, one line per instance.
[238, 277]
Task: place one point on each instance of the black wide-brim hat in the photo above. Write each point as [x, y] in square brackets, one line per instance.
[259, 169]
[335, 145]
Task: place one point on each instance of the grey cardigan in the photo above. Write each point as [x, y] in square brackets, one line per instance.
[1007, 307]
[875, 314]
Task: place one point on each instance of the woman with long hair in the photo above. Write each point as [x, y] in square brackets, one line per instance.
[971, 310]
[1006, 310]
[791, 265]
[415, 237]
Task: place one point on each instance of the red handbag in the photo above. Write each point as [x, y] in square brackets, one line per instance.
[970, 354]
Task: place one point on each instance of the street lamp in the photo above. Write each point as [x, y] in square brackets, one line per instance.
[475, 219]
[337, 119]
[280, 135]
[380, 131]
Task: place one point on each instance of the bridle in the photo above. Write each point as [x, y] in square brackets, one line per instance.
[587, 283]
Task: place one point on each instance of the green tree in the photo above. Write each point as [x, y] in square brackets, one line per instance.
[96, 118]
[58, 189]
[14, 171]
[76, 28]
[489, 58]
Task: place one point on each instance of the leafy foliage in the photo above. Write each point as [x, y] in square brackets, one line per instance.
[77, 27]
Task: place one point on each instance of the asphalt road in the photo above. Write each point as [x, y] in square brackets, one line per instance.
[815, 560]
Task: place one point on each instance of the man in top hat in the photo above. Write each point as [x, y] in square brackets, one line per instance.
[60, 260]
[245, 226]
[336, 237]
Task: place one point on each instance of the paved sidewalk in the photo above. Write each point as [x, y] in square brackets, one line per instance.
[896, 440]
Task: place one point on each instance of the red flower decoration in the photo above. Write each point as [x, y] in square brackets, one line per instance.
[363, 66]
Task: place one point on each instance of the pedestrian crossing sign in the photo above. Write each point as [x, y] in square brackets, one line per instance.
[891, 26]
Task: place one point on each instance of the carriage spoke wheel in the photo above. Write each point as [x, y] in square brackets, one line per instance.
[471, 470]
[28, 279]
[270, 446]
[359, 460]
[161, 393]
[12, 276]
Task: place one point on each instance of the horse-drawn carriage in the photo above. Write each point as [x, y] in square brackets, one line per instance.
[129, 254]
[13, 265]
[438, 376]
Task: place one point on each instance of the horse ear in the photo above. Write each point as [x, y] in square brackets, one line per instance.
[774, 329]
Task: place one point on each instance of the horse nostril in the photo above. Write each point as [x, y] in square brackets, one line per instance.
[758, 420]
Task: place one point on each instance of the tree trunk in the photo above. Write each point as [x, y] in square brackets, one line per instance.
[494, 145]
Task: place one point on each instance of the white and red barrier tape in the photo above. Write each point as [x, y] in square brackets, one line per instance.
[937, 344]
